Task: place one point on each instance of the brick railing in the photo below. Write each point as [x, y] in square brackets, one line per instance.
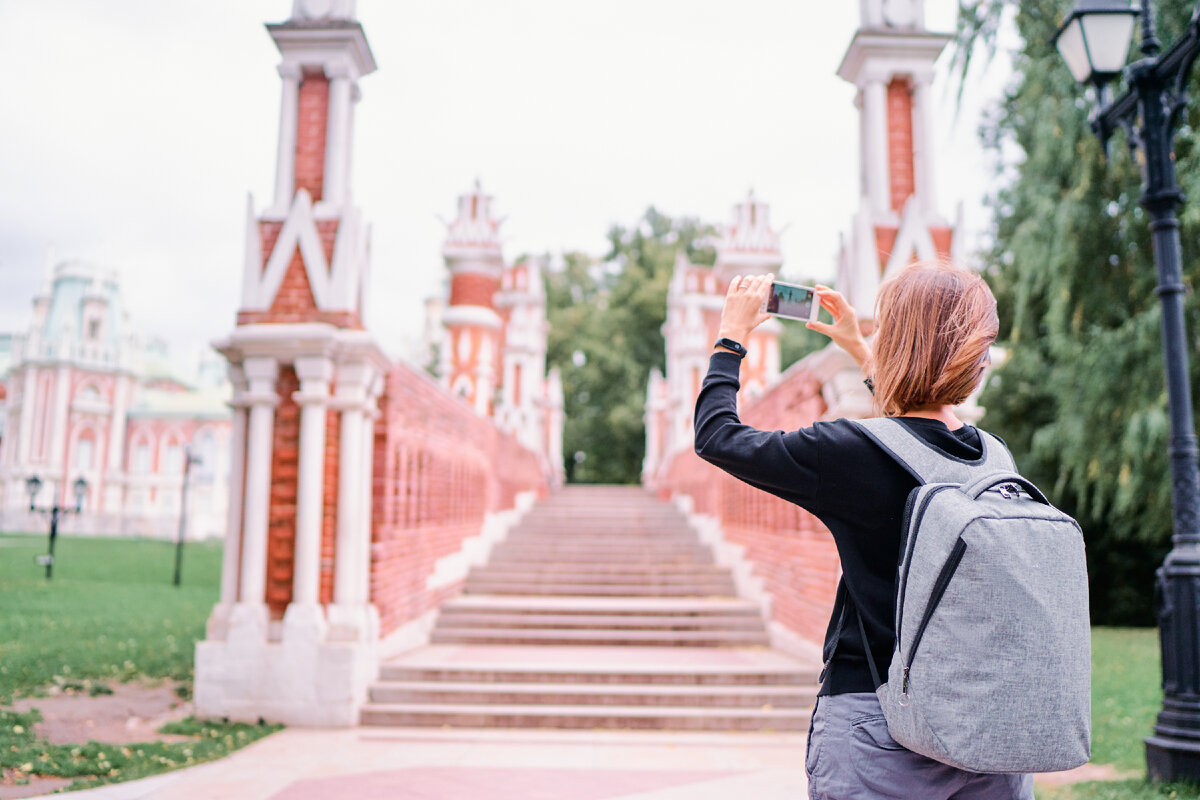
[788, 549]
[440, 470]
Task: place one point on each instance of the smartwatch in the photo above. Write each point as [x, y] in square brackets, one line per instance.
[730, 344]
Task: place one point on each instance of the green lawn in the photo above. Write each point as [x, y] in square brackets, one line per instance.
[110, 614]
[1126, 696]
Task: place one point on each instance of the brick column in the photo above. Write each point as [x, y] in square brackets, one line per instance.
[304, 619]
[231, 558]
[248, 619]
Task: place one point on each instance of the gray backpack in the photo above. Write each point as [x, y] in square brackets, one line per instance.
[991, 666]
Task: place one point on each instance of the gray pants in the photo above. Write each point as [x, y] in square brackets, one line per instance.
[851, 756]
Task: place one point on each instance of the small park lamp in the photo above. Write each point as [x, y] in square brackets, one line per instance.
[1094, 41]
[1095, 38]
[33, 485]
[189, 459]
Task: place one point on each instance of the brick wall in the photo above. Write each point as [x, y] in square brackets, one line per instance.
[473, 289]
[439, 469]
[790, 550]
[900, 141]
[311, 118]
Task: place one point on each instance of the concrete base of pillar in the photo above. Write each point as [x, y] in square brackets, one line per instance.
[353, 622]
[296, 681]
[217, 626]
[248, 623]
[304, 624]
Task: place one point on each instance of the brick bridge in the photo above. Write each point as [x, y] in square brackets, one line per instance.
[399, 549]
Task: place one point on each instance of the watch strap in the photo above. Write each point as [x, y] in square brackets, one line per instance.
[729, 344]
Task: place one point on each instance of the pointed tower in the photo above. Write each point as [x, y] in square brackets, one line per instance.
[750, 246]
[891, 62]
[306, 376]
[521, 303]
[471, 361]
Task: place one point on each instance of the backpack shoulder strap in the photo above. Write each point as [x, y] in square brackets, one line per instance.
[928, 464]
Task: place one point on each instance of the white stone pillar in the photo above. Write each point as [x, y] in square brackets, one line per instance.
[304, 618]
[218, 621]
[346, 613]
[337, 141]
[249, 616]
[875, 132]
[923, 150]
[367, 494]
[285, 167]
[363, 557]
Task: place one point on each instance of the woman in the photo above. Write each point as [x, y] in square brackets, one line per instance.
[936, 323]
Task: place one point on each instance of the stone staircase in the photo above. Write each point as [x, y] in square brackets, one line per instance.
[602, 609]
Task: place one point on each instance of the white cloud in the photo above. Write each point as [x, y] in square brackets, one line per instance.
[134, 128]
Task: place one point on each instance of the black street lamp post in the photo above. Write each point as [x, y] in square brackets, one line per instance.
[1094, 41]
[188, 460]
[33, 485]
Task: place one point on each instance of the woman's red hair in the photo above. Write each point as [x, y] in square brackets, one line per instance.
[936, 324]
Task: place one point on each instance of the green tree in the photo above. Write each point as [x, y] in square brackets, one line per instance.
[1081, 399]
[606, 320]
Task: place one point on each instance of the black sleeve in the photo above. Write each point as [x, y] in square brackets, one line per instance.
[784, 464]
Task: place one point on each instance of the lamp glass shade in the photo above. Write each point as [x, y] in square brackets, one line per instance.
[1074, 51]
[80, 486]
[1107, 37]
[33, 485]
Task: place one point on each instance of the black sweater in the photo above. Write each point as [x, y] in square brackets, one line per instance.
[848, 482]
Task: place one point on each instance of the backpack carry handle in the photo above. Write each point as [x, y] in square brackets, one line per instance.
[974, 490]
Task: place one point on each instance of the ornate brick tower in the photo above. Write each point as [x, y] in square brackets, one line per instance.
[891, 62]
[750, 246]
[294, 617]
[471, 356]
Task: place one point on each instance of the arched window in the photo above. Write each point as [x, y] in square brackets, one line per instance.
[139, 456]
[84, 452]
[170, 457]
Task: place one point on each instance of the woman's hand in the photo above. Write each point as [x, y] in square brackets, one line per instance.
[844, 331]
[744, 303]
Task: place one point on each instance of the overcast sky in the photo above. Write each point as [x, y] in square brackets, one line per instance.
[133, 129]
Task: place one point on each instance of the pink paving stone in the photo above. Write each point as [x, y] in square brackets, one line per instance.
[486, 783]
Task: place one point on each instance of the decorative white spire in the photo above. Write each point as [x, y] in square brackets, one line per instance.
[475, 227]
[748, 244]
[321, 10]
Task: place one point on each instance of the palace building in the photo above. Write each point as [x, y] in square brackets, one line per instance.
[85, 396]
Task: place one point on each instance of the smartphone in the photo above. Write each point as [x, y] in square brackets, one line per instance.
[790, 301]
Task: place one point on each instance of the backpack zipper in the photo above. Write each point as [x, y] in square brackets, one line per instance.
[911, 521]
[935, 598]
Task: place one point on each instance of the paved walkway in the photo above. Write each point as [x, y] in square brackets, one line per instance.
[423, 764]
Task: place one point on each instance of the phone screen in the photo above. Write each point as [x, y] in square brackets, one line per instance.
[791, 301]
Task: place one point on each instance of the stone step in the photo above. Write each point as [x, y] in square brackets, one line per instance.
[584, 674]
[569, 694]
[723, 589]
[605, 606]
[585, 717]
[648, 553]
[585, 636]
[450, 620]
[536, 575]
[601, 539]
[600, 568]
